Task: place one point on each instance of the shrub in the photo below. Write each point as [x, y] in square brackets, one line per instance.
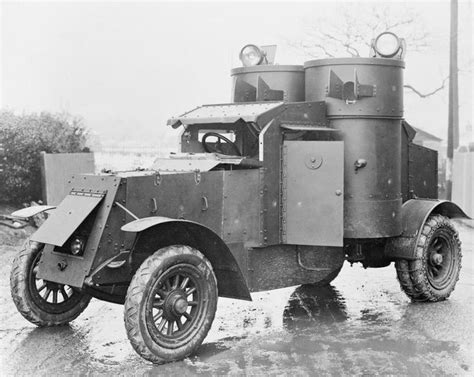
[23, 138]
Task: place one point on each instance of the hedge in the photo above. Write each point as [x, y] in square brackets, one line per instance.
[22, 138]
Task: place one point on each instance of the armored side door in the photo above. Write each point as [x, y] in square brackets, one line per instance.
[312, 193]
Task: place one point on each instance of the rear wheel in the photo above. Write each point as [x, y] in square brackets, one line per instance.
[42, 302]
[432, 276]
[170, 304]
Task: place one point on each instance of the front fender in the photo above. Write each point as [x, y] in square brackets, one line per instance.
[26, 213]
[154, 233]
[145, 223]
[415, 212]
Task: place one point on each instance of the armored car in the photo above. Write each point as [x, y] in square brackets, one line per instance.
[309, 166]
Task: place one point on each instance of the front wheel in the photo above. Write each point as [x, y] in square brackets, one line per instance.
[170, 304]
[432, 276]
[42, 302]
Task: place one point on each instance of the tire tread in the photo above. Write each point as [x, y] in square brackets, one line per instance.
[413, 276]
[20, 294]
[135, 296]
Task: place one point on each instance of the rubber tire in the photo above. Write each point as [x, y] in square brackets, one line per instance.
[413, 274]
[142, 282]
[21, 294]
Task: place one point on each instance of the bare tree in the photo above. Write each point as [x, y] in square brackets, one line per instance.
[350, 34]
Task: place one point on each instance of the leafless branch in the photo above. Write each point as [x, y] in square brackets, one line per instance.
[390, 26]
[348, 34]
[309, 47]
[324, 50]
[425, 95]
[344, 43]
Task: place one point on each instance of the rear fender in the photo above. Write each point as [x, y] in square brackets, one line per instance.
[415, 212]
[154, 233]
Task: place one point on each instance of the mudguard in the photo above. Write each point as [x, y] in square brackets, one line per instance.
[157, 232]
[414, 215]
[142, 224]
[28, 212]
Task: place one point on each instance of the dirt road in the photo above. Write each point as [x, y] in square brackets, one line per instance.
[361, 324]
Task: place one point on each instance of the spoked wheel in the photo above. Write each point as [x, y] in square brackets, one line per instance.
[433, 275]
[170, 304]
[42, 302]
[175, 304]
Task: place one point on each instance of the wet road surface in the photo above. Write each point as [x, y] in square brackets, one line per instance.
[360, 325]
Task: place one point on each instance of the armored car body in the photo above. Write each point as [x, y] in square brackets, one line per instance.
[307, 167]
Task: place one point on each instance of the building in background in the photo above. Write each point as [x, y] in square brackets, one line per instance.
[428, 140]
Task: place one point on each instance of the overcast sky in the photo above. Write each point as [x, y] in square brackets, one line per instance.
[127, 67]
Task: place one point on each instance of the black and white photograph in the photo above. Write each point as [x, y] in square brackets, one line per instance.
[236, 188]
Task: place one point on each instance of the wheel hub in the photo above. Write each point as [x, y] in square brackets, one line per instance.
[180, 305]
[437, 259]
[175, 305]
